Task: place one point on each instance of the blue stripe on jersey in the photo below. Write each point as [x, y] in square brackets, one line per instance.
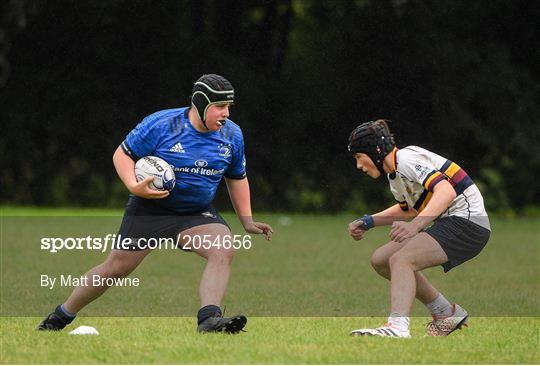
[463, 184]
[445, 166]
[421, 199]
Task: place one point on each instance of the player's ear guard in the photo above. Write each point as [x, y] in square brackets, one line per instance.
[374, 139]
[211, 89]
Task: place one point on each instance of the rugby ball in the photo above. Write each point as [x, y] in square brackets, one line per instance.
[152, 166]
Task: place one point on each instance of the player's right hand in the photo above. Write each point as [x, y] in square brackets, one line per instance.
[143, 190]
[355, 231]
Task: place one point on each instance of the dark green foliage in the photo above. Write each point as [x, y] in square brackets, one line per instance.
[457, 77]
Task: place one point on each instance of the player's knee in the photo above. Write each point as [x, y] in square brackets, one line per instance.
[397, 259]
[116, 271]
[119, 267]
[121, 271]
[379, 262]
[223, 256]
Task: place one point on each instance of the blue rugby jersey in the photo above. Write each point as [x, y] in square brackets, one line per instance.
[199, 159]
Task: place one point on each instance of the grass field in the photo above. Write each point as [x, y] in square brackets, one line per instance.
[268, 340]
[303, 293]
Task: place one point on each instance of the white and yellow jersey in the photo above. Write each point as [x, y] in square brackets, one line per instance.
[418, 171]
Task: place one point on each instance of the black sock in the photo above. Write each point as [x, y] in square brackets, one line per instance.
[65, 318]
[208, 311]
[63, 310]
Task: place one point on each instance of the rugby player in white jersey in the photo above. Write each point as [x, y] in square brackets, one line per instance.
[439, 219]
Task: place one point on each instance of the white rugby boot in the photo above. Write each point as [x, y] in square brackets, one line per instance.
[387, 330]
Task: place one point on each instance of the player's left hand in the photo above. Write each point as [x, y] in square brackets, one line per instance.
[260, 228]
[402, 230]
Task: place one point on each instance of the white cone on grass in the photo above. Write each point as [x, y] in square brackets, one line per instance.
[84, 330]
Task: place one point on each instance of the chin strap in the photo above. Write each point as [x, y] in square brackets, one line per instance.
[210, 89]
[198, 115]
[204, 124]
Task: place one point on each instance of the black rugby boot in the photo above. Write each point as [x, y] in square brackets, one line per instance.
[56, 320]
[218, 323]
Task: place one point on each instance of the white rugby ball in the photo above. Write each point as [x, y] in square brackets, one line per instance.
[152, 166]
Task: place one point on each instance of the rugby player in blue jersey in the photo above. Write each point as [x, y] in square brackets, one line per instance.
[439, 219]
[203, 146]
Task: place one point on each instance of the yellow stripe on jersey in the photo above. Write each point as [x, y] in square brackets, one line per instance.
[434, 175]
[452, 170]
[425, 202]
[458, 178]
[403, 205]
[394, 158]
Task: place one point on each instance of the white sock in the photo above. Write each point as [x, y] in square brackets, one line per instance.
[440, 306]
[399, 320]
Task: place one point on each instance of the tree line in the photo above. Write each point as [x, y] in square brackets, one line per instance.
[457, 77]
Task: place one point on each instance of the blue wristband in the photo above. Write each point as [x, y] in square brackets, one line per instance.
[367, 222]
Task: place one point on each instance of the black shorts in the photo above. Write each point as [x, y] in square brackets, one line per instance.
[146, 221]
[460, 239]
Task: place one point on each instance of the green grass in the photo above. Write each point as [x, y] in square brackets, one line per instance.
[268, 340]
[303, 293]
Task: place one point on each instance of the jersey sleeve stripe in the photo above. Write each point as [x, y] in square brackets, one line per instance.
[463, 184]
[403, 205]
[426, 201]
[432, 179]
[125, 147]
[435, 181]
[420, 199]
[458, 176]
[452, 170]
[423, 200]
[394, 158]
[459, 179]
[229, 176]
[445, 166]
